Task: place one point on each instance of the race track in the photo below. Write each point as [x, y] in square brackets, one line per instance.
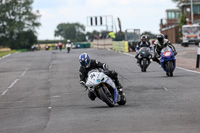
[40, 93]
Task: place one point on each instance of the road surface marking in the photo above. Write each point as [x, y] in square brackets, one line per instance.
[50, 66]
[5, 92]
[165, 88]
[176, 67]
[16, 53]
[14, 82]
[188, 70]
[6, 56]
[129, 54]
[109, 49]
[23, 73]
[56, 96]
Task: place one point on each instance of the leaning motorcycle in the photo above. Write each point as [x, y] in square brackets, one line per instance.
[168, 61]
[104, 88]
[144, 57]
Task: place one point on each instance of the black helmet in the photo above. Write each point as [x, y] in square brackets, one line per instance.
[143, 38]
[160, 38]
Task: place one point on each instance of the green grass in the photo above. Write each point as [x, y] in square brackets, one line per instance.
[22, 50]
[3, 53]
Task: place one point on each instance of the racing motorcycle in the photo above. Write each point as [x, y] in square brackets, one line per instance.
[104, 88]
[144, 57]
[60, 47]
[168, 61]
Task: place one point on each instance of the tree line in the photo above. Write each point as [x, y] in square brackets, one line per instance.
[17, 24]
[76, 33]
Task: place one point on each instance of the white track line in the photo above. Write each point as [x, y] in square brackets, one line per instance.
[129, 54]
[14, 82]
[5, 92]
[50, 66]
[16, 53]
[188, 70]
[6, 56]
[165, 88]
[23, 73]
[9, 55]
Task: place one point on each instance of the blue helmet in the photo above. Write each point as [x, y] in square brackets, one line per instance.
[85, 60]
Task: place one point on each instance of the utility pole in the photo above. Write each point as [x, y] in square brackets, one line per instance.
[192, 12]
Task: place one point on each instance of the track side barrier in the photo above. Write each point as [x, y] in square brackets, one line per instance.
[120, 46]
[102, 43]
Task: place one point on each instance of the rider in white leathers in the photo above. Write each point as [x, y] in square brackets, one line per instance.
[68, 46]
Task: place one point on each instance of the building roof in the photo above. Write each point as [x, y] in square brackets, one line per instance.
[178, 10]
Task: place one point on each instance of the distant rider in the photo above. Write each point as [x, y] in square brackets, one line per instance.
[68, 46]
[88, 64]
[60, 45]
[143, 43]
[159, 44]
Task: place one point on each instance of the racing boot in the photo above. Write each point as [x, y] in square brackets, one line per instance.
[119, 86]
[91, 96]
[138, 62]
[167, 73]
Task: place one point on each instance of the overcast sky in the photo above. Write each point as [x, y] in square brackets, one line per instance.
[139, 14]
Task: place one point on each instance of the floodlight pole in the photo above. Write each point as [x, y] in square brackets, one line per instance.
[192, 12]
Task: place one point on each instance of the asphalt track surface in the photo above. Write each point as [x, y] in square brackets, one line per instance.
[40, 93]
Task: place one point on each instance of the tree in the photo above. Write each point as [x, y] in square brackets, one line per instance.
[25, 40]
[16, 17]
[182, 22]
[72, 31]
[176, 0]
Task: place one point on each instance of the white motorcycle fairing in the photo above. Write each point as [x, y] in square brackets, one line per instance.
[95, 78]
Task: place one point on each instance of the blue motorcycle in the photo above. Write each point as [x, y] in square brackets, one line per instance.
[168, 61]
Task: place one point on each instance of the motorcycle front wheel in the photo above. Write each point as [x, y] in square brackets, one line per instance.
[144, 65]
[170, 68]
[106, 96]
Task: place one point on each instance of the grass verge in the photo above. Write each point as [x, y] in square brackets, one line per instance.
[3, 53]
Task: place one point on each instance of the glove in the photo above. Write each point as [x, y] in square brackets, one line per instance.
[175, 53]
[83, 84]
[151, 50]
[106, 71]
[157, 56]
